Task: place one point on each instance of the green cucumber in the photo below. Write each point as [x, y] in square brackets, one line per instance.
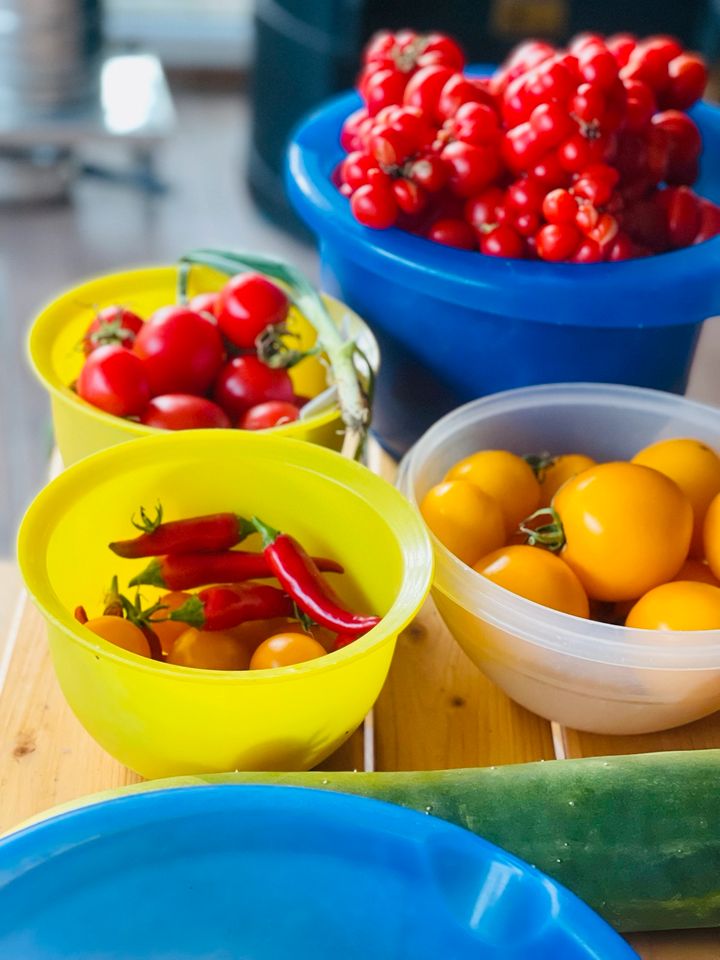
[636, 837]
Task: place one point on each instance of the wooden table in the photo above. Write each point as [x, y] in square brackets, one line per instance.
[436, 710]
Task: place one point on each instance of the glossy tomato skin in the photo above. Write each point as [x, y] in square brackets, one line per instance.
[246, 381]
[182, 351]
[680, 605]
[184, 411]
[505, 477]
[465, 519]
[711, 535]
[284, 650]
[559, 471]
[121, 633]
[209, 650]
[627, 528]
[272, 413]
[205, 303]
[247, 305]
[114, 380]
[695, 468]
[537, 575]
[113, 324]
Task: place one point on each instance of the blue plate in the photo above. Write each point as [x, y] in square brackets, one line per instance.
[262, 873]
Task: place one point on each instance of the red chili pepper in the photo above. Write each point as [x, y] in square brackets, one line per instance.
[343, 639]
[80, 615]
[183, 571]
[207, 534]
[220, 608]
[304, 583]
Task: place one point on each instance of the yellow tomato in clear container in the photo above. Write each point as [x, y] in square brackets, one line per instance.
[679, 605]
[467, 521]
[505, 477]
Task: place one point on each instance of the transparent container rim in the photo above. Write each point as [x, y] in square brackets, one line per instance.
[574, 636]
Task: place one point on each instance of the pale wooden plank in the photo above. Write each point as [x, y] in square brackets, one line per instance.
[701, 735]
[10, 593]
[684, 945]
[46, 757]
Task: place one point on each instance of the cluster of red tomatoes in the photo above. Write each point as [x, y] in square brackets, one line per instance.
[634, 543]
[580, 155]
[193, 366]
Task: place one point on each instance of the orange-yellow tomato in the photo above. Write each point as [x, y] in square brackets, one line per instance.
[209, 650]
[698, 571]
[680, 605]
[558, 471]
[536, 575]
[120, 632]
[695, 468]
[711, 536]
[466, 520]
[285, 649]
[626, 529]
[169, 630]
[505, 477]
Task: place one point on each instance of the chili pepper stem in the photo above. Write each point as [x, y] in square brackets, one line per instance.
[191, 612]
[269, 534]
[151, 575]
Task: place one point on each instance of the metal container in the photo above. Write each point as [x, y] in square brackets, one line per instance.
[48, 51]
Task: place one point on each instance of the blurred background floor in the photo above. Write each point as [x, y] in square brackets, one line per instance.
[108, 226]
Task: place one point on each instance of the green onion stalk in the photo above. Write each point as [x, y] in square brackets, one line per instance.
[351, 370]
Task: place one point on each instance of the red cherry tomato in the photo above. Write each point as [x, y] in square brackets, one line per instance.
[183, 411]
[273, 413]
[204, 303]
[182, 350]
[374, 206]
[245, 382]
[558, 241]
[452, 232]
[115, 380]
[502, 241]
[247, 305]
[112, 325]
[471, 168]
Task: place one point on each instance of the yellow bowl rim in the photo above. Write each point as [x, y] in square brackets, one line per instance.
[46, 375]
[414, 544]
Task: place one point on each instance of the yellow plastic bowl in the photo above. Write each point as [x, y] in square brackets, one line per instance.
[164, 720]
[55, 356]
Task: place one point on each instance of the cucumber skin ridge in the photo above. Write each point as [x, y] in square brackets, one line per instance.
[635, 836]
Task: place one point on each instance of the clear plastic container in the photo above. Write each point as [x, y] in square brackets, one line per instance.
[588, 675]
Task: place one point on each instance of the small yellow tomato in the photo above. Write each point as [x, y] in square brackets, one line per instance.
[558, 471]
[209, 650]
[695, 468]
[505, 477]
[626, 529]
[168, 631]
[698, 571]
[537, 575]
[464, 519]
[120, 632]
[680, 605]
[711, 536]
[285, 649]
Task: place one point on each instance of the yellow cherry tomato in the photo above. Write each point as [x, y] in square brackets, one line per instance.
[467, 521]
[120, 632]
[626, 529]
[285, 649]
[698, 571]
[695, 468]
[711, 535]
[505, 477]
[680, 605]
[209, 650]
[536, 575]
[169, 630]
[558, 471]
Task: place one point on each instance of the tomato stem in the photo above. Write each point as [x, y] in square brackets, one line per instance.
[550, 535]
[353, 395]
[539, 463]
[148, 524]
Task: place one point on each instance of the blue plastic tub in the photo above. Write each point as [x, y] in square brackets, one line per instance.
[268, 873]
[454, 325]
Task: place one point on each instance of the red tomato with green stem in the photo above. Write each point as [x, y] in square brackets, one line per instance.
[182, 351]
[247, 305]
[112, 325]
[246, 381]
[114, 380]
[184, 411]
